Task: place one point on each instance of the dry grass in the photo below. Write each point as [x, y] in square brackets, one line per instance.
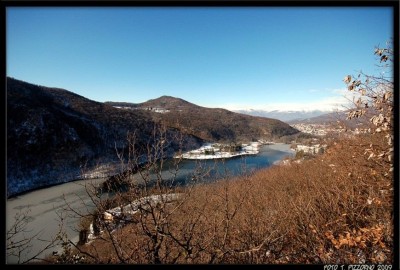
[334, 209]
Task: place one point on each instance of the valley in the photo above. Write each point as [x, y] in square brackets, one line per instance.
[56, 136]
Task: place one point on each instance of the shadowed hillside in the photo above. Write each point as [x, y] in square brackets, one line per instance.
[212, 124]
[52, 134]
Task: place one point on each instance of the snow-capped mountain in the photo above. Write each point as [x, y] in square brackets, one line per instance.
[284, 115]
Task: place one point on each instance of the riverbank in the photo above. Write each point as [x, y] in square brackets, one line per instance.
[46, 204]
[221, 151]
[44, 207]
[256, 210]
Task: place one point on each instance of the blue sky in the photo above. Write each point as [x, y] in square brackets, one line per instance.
[230, 57]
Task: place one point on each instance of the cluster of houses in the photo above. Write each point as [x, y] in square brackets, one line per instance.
[218, 151]
[153, 109]
[312, 149]
[157, 110]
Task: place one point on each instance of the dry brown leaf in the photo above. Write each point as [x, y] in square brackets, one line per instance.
[343, 242]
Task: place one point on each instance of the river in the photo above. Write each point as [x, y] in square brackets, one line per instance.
[46, 205]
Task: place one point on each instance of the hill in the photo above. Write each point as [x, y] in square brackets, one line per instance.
[54, 134]
[211, 124]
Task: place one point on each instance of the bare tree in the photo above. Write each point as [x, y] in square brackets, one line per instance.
[20, 241]
[375, 101]
[145, 195]
[148, 216]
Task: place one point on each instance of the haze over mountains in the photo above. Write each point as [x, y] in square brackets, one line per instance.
[283, 115]
[54, 135]
[326, 118]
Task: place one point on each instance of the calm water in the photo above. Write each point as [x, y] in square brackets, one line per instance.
[234, 166]
[46, 205]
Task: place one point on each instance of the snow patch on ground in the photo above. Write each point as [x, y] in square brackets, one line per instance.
[214, 151]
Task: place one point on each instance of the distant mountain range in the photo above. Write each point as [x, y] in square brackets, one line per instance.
[337, 119]
[326, 118]
[53, 135]
[284, 116]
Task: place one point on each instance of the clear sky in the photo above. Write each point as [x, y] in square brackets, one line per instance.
[230, 57]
